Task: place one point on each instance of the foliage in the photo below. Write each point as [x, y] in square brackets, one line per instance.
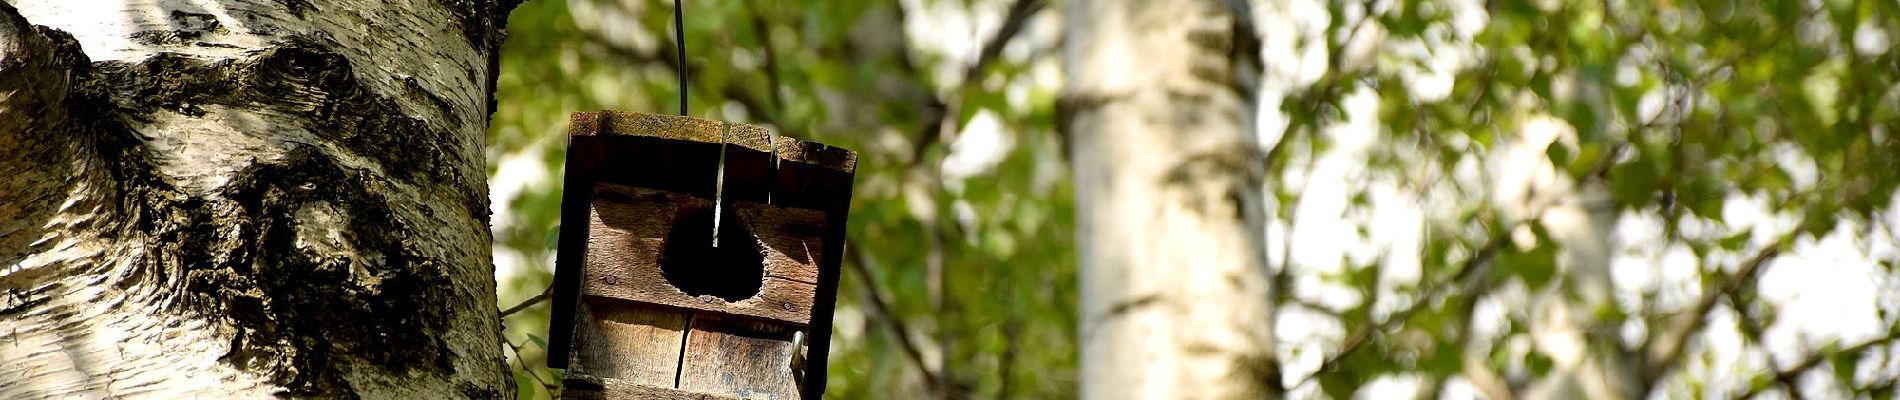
[1652, 113]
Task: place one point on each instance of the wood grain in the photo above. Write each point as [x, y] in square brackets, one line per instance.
[631, 178]
[629, 229]
[588, 387]
[792, 239]
[638, 344]
[739, 358]
[603, 123]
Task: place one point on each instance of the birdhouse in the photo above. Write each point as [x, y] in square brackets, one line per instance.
[697, 259]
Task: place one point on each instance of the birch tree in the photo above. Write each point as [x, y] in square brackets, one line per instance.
[247, 199]
[1172, 262]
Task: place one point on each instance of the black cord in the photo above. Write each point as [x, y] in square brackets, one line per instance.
[679, 38]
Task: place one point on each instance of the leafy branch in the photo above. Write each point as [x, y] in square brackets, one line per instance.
[1469, 276]
[1813, 360]
[859, 264]
[1666, 351]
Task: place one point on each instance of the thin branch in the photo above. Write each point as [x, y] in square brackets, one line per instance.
[1013, 23]
[1474, 270]
[1005, 363]
[859, 263]
[937, 109]
[1815, 359]
[524, 304]
[1667, 350]
[520, 361]
[764, 33]
[1751, 329]
[1477, 369]
[1327, 86]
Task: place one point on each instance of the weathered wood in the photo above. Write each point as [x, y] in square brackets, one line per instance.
[792, 239]
[739, 358]
[628, 342]
[587, 387]
[629, 232]
[623, 123]
[637, 238]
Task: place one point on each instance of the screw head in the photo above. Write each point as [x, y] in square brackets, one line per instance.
[786, 306]
[612, 280]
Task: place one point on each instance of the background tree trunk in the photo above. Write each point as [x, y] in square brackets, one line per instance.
[247, 198]
[1168, 179]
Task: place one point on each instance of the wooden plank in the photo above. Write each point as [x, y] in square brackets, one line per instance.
[608, 122]
[745, 359]
[792, 238]
[674, 159]
[628, 342]
[629, 226]
[779, 299]
[587, 387]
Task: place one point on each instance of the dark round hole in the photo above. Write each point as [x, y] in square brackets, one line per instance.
[732, 272]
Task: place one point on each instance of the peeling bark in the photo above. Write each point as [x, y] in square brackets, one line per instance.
[247, 198]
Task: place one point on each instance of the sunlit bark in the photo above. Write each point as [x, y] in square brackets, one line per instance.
[1173, 276]
[246, 198]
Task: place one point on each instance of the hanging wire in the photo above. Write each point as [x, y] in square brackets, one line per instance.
[679, 38]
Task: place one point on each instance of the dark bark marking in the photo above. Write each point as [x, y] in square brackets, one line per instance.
[233, 255]
[185, 26]
[414, 88]
[298, 310]
[476, 21]
[297, 7]
[390, 324]
[299, 78]
[167, 81]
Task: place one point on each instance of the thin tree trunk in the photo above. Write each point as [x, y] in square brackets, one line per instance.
[1168, 184]
[247, 198]
[1587, 355]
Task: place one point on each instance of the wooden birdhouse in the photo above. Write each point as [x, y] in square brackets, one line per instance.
[698, 259]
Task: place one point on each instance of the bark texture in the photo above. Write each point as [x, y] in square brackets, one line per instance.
[1168, 186]
[232, 198]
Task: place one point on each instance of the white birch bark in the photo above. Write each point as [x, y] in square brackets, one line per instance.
[227, 198]
[1167, 186]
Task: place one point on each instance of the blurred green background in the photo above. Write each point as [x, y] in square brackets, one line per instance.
[1401, 138]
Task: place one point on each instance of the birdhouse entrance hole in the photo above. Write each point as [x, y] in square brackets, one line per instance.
[732, 271]
[634, 315]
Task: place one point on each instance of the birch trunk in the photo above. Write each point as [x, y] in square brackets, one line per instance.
[228, 198]
[1168, 179]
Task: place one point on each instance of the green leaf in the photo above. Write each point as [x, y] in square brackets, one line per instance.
[1538, 363]
[1558, 153]
[1338, 385]
[538, 341]
[1736, 241]
[1536, 266]
[1845, 365]
[1632, 183]
[1445, 360]
[524, 386]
